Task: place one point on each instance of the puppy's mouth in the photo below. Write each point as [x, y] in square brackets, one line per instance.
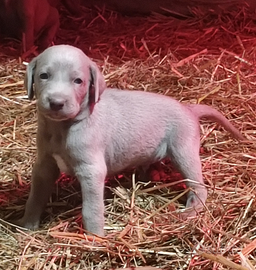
[55, 116]
[57, 112]
[60, 115]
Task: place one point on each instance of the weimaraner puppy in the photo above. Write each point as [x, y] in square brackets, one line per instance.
[29, 20]
[72, 6]
[91, 131]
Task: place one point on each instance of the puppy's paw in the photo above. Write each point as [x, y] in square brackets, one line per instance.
[195, 203]
[196, 198]
[33, 226]
[189, 213]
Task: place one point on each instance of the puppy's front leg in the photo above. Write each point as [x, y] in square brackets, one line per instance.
[27, 14]
[92, 178]
[44, 174]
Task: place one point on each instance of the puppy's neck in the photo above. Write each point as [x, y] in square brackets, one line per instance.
[86, 109]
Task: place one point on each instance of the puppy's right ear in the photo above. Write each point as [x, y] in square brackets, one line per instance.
[29, 78]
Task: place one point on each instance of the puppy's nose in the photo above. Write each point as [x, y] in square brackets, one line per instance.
[56, 105]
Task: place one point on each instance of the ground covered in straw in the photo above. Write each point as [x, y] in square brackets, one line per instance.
[208, 59]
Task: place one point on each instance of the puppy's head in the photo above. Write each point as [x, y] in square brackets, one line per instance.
[63, 79]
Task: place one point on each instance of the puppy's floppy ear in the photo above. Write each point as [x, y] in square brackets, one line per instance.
[29, 78]
[98, 84]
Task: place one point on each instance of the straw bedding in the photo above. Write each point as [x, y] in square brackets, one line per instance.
[208, 59]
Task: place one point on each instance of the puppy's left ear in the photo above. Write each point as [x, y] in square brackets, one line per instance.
[98, 84]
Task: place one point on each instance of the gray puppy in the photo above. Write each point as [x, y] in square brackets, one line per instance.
[91, 133]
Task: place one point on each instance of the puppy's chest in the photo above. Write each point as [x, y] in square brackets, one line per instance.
[59, 152]
[62, 164]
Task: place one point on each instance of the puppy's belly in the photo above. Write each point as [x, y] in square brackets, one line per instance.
[121, 163]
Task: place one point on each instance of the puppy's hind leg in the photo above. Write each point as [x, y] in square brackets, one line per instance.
[45, 173]
[185, 157]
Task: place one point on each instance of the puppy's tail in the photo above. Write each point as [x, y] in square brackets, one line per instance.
[204, 111]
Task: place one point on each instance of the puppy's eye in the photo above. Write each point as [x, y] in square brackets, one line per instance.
[78, 81]
[44, 76]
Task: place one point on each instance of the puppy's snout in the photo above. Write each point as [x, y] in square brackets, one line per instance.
[56, 105]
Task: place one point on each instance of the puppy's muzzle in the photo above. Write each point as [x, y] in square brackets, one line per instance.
[57, 107]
